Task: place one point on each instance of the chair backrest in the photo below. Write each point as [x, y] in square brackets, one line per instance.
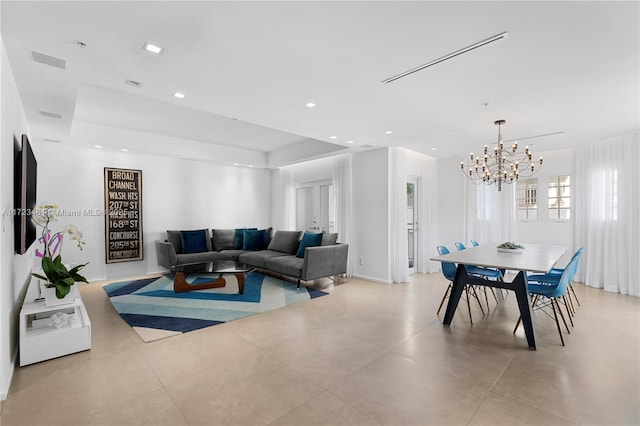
[567, 275]
[460, 246]
[474, 243]
[578, 253]
[448, 268]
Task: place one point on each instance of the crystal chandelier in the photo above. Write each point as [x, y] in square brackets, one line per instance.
[500, 165]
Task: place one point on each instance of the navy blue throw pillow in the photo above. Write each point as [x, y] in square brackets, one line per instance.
[194, 241]
[239, 237]
[253, 239]
[309, 239]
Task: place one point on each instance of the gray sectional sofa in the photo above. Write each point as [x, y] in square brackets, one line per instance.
[280, 253]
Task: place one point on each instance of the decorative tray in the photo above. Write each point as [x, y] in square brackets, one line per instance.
[505, 250]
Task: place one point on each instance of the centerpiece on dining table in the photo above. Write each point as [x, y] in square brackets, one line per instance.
[510, 247]
[56, 273]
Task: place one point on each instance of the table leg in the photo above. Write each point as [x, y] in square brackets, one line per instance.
[240, 277]
[456, 291]
[524, 303]
[180, 284]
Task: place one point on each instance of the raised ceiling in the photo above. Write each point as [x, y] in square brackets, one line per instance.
[249, 68]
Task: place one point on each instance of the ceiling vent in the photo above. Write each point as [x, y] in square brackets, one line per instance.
[51, 115]
[48, 60]
[447, 57]
[133, 83]
[51, 140]
[367, 146]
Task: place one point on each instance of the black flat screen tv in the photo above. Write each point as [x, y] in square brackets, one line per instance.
[24, 195]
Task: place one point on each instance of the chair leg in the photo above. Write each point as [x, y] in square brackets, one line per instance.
[466, 288]
[494, 294]
[554, 300]
[568, 302]
[475, 294]
[555, 315]
[446, 294]
[567, 306]
[574, 294]
[533, 304]
[486, 298]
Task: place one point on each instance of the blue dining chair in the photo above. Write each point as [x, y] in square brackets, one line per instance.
[484, 273]
[474, 243]
[553, 276]
[449, 272]
[558, 271]
[547, 293]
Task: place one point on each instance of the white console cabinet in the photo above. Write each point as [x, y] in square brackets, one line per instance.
[40, 339]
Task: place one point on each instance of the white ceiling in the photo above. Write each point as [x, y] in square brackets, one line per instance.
[248, 68]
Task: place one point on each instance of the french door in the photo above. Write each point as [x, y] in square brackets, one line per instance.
[315, 207]
[412, 222]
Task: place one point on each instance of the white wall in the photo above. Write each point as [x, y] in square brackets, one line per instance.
[451, 202]
[176, 194]
[371, 215]
[14, 269]
[543, 230]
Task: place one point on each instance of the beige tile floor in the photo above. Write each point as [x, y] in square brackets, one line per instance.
[368, 354]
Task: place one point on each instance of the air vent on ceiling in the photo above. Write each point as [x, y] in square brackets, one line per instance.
[536, 136]
[447, 56]
[133, 83]
[48, 60]
[51, 140]
[51, 115]
[367, 146]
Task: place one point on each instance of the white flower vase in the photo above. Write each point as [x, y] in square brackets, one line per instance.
[50, 298]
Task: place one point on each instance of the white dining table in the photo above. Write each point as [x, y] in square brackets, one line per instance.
[538, 258]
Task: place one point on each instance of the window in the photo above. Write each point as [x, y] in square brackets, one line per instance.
[528, 199]
[560, 197]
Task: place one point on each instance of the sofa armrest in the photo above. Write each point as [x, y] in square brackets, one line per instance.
[324, 261]
[166, 254]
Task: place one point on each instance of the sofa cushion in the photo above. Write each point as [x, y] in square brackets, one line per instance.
[253, 239]
[175, 239]
[194, 241]
[287, 265]
[205, 256]
[258, 258]
[239, 237]
[230, 254]
[285, 242]
[329, 239]
[309, 239]
[224, 239]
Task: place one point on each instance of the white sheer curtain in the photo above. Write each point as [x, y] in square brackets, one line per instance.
[286, 219]
[427, 211]
[607, 194]
[491, 214]
[342, 190]
[398, 244]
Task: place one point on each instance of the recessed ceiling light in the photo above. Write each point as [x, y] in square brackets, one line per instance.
[124, 150]
[250, 165]
[152, 48]
[235, 164]
[310, 105]
[333, 137]
[434, 149]
[349, 141]
[98, 146]
[388, 132]
[179, 95]
[80, 43]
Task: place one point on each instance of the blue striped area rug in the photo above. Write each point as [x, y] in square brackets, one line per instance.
[155, 311]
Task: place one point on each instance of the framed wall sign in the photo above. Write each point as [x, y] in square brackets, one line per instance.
[123, 215]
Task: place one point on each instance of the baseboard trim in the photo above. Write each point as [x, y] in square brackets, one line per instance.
[378, 280]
